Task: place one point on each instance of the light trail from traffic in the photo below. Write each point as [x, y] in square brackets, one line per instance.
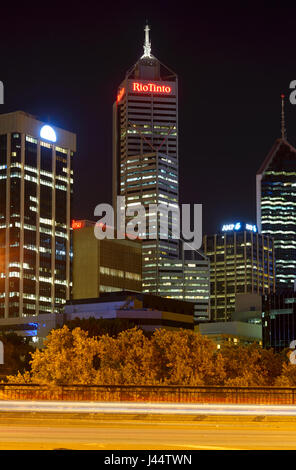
[145, 408]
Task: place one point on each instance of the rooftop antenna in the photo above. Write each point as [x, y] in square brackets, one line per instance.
[283, 128]
[147, 43]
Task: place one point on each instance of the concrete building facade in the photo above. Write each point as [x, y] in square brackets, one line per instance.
[107, 265]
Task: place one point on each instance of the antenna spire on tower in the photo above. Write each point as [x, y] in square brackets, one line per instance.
[147, 43]
[283, 128]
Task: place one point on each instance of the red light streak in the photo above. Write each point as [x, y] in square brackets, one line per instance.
[120, 95]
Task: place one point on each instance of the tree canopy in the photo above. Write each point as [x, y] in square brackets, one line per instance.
[183, 357]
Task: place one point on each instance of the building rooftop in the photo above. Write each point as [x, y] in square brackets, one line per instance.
[149, 301]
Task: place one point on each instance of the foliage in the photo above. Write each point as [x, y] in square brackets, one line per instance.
[67, 358]
[126, 359]
[288, 375]
[24, 378]
[17, 352]
[183, 357]
[250, 365]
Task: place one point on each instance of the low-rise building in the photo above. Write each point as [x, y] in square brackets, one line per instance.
[236, 332]
[35, 327]
[107, 265]
[149, 312]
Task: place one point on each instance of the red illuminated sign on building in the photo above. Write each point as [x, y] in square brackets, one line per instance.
[151, 88]
[77, 224]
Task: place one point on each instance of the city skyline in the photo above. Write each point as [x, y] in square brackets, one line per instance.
[147, 229]
[234, 109]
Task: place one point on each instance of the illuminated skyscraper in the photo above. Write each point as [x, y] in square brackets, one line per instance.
[145, 151]
[276, 205]
[187, 279]
[241, 262]
[35, 205]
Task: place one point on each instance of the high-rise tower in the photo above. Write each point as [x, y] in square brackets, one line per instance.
[35, 201]
[276, 205]
[242, 262]
[145, 151]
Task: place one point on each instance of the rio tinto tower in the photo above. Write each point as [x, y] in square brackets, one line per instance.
[145, 152]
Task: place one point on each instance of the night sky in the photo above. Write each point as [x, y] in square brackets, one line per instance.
[63, 64]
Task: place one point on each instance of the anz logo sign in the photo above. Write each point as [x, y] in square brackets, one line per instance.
[1, 93]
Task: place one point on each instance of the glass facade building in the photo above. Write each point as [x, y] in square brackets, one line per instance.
[35, 209]
[146, 172]
[187, 279]
[276, 208]
[240, 262]
[145, 154]
[279, 319]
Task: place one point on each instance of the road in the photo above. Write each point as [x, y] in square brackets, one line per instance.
[38, 431]
[126, 435]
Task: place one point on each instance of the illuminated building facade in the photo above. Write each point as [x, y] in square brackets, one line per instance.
[241, 261]
[279, 319]
[276, 206]
[234, 332]
[145, 152]
[187, 279]
[35, 205]
[108, 265]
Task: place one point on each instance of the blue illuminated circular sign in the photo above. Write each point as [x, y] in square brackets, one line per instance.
[48, 133]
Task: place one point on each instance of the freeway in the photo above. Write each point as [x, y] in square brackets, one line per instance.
[49, 425]
[30, 433]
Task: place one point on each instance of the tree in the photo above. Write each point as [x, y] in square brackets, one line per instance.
[16, 353]
[67, 358]
[125, 359]
[287, 378]
[250, 365]
[186, 358]
[180, 357]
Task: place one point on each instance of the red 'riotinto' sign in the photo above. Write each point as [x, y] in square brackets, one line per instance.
[151, 88]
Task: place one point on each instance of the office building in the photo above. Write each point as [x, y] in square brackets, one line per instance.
[35, 212]
[279, 319]
[276, 206]
[248, 308]
[107, 265]
[145, 153]
[187, 279]
[241, 261]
